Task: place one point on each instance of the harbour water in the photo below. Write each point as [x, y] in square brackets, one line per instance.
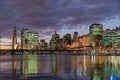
[59, 67]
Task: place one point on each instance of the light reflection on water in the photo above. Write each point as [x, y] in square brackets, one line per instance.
[74, 67]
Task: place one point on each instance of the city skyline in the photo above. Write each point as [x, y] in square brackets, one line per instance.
[64, 16]
[30, 39]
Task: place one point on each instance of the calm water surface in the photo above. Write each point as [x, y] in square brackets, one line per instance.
[59, 67]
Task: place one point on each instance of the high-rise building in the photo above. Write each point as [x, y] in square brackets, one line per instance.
[29, 39]
[14, 40]
[75, 35]
[96, 35]
[55, 41]
[67, 40]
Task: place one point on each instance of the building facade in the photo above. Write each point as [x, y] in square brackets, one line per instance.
[29, 39]
[43, 45]
[75, 36]
[55, 42]
[14, 40]
[111, 38]
[67, 40]
[85, 40]
[81, 43]
[96, 35]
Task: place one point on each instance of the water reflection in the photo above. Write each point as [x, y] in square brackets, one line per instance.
[74, 67]
[14, 67]
[97, 68]
[29, 64]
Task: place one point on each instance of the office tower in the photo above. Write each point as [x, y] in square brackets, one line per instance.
[55, 41]
[14, 40]
[67, 40]
[29, 39]
[75, 35]
[96, 35]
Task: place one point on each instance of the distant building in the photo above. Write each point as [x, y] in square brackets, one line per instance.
[111, 38]
[96, 35]
[75, 35]
[55, 43]
[85, 40]
[43, 45]
[14, 40]
[82, 42]
[29, 39]
[67, 40]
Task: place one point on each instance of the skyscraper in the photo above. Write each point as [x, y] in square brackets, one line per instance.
[67, 40]
[75, 35]
[29, 39]
[96, 35]
[14, 40]
[55, 41]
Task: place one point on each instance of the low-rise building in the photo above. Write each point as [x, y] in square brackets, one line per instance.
[82, 42]
[43, 45]
[111, 38]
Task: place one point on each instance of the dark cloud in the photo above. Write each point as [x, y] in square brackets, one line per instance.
[40, 15]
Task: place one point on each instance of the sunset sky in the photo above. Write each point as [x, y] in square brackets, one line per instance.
[64, 16]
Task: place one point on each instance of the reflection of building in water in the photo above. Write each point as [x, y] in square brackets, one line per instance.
[115, 66]
[45, 64]
[65, 66]
[79, 64]
[14, 67]
[97, 69]
[83, 66]
[54, 64]
[112, 66]
[29, 64]
[118, 73]
[107, 67]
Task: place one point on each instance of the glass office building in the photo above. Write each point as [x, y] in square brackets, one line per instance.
[29, 39]
[111, 38]
[96, 35]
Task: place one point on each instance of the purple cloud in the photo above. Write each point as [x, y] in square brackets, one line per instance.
[40, 15]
